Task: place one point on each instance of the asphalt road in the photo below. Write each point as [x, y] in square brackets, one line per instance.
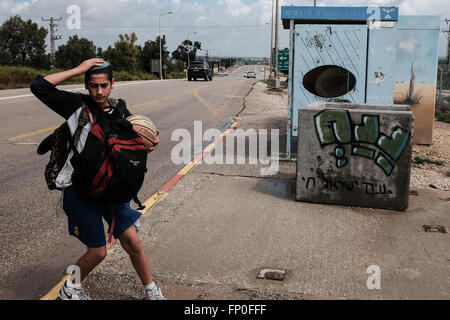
[35, 245]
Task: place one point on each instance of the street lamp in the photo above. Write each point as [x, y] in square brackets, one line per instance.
[160, 46]
[212, 57]
[206, 51]
[265, 44]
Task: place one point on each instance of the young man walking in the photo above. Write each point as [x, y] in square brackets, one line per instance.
[85, 215]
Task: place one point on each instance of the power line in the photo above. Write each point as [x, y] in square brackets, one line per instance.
[178, 27]
[155, 27]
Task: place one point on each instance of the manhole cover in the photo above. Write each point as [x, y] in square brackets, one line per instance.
[271, 274]
[437, 228]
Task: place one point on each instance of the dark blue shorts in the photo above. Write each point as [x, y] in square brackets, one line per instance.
[85, 218]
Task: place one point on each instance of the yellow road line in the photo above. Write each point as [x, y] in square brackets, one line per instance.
[187, 168]
[154, 199]
[192, 90]
[146, 103]
[214, 111]
[53, 293]
[170, 97]
[165, 98]
[26, 135]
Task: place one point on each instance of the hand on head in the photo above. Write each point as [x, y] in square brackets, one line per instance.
[86, 65]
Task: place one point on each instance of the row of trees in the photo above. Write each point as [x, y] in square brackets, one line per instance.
[23, 43]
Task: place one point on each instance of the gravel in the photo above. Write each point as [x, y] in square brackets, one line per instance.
[432, 176]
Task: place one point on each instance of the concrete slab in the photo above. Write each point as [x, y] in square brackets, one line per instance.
[208, 234]
[359, 157]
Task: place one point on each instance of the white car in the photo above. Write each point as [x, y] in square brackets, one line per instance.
[250, 74]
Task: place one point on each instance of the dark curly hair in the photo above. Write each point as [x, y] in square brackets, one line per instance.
[108, 71]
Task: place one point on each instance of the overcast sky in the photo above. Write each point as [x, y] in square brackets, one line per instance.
[225, 27]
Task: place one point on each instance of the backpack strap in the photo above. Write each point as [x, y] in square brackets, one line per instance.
[140, 205]
[119, 106]
[110, 239]
[83, 119]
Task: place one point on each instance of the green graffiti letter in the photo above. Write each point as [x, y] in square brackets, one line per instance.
[384, 164]
[333, 126]
[369, 131]
[363, 152]
[395, 144]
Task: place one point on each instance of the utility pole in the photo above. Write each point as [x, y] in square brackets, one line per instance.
[440, 87]
[160, 45]
[276, 80]
[447, 35]
[53, 37]
[271, 46]
[204, 48]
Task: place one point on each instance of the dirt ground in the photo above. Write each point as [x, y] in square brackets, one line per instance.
[432, 175]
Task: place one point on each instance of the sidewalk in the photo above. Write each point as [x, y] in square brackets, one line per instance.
[222, 223]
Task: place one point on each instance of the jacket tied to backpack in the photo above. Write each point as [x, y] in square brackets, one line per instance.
[112, 165]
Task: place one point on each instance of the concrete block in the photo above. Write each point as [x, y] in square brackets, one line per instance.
[357, 155]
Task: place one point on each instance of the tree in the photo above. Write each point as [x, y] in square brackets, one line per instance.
[23, 43]
[150, 51]
[74, 52]
[124, 55]
[177, 66]
[181, 53]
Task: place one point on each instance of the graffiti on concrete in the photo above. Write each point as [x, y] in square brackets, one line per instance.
[330, 184]
[336, 127]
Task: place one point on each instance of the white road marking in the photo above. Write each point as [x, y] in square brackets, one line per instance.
[82, 88]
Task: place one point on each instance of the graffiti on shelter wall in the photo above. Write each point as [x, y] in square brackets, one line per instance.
[336, 127]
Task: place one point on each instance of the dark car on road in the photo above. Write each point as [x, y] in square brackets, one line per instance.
[200, 69]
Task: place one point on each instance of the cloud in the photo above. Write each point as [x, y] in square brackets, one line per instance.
[237, 26]
[20, 7]
[234, 7]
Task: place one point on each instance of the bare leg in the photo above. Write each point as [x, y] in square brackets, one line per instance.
[133, 246]
[90, 260]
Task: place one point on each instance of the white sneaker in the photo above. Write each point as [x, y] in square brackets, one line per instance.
[155, 294]
[70, 291]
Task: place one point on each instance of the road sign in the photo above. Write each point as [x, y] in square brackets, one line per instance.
[283, 60]
[155, 65]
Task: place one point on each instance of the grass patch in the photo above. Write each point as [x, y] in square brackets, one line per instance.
[443, 116]
[411, 101]
[176, 75]
[447, 174]
[13, 77]
[421, 161]
[283, 84]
